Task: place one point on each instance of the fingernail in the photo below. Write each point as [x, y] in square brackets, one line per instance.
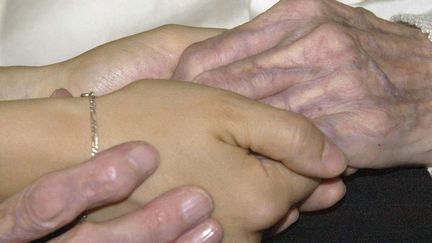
[61, 93]
[206, 233]
[196, 207]
[334, 158]
[144, 158]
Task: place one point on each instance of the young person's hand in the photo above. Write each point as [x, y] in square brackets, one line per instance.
[205, 137]
[152, 54]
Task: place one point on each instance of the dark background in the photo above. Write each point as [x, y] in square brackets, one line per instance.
[380, 206]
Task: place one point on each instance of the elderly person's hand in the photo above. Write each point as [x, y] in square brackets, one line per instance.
[363, 80]
[60, 197]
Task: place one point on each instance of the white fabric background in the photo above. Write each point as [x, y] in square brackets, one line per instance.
[39, 32]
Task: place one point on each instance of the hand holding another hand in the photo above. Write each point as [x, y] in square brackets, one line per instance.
[152, 54]
[60, 197]
[205, 137]
[364, 81]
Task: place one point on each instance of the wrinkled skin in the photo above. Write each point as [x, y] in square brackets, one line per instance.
[34, 212]
[364, 81]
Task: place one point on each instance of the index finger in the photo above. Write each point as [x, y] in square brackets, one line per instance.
[280, 22]
[58, 198]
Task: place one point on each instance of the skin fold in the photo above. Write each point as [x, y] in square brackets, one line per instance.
[364, 81]
[205, 137]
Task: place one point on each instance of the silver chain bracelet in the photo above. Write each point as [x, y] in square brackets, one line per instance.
[94, 135]
[93, 123]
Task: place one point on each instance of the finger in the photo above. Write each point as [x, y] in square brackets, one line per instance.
[61, 93]
[360, 18]
[209, 231]
[226, 48]
[308, 60]
[58, 198]
[264, 75]
[162, 220]
[284, 190]
[328, 193]
[258, 35]
[286, 137]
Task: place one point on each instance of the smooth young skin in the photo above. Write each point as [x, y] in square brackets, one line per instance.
[204, 136]
[364, 81]
[152, 54]
[34, 212]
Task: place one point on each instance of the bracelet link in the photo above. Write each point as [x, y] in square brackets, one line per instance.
[94, 135]
[93, 123]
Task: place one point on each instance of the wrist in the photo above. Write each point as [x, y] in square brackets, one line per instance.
[40, 136]
[30, 82]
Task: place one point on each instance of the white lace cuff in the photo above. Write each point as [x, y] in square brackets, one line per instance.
[424, 23]
[421, 21]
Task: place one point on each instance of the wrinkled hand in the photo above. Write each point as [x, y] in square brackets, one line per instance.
[58, 198]
[364, 81]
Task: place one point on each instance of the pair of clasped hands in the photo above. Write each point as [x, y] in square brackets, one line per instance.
[320, 93]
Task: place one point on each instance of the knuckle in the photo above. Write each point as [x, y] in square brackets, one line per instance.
[169, 28]
[191, 62]
[157, 222]
[333, 32]
[314, 4]
[45, 204]
[103, 182]
[360, 16]
[334, 42]
[192, 54]
[304, 8]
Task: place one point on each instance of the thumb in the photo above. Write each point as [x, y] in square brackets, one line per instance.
[287, 137]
